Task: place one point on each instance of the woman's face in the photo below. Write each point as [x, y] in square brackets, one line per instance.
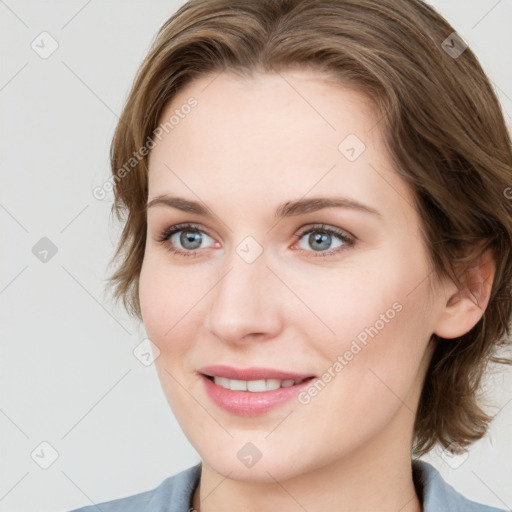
[268, 279]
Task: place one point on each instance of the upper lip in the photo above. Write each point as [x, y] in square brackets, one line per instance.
[252, 373]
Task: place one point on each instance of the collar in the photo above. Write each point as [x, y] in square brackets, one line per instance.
[436, 495]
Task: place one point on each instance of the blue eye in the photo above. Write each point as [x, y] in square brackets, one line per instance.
[189, 236]
[325, 240]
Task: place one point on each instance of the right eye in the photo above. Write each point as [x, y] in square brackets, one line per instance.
[184, 239]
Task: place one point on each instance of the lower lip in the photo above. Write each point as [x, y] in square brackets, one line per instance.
[249, 403]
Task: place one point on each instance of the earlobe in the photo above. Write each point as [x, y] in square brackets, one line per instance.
[465, 307]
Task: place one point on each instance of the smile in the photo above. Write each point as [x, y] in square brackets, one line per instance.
[251, 391]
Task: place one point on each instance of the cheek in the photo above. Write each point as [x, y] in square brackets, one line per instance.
[377, 312]
[166, 293]
[173, 304]
[371, 373]
[382, 332]
[164, 300]
[343, 304]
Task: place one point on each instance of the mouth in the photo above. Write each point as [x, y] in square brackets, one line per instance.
[251, 391]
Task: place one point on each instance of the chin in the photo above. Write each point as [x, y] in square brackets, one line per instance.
[273, 464]
[262, 472]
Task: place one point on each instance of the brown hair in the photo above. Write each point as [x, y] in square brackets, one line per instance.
[444, 130]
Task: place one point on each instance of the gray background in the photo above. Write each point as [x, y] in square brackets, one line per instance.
[68, 374]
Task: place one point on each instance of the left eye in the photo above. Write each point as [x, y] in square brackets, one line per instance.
[324, 240]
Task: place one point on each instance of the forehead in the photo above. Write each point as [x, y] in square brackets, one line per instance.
[293, 114]
[273, 136]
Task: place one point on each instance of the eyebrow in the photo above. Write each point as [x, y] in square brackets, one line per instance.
[288, 209]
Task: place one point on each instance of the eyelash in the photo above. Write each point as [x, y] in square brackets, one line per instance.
[348, 241]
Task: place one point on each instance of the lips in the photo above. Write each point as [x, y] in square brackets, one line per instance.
[251, 391]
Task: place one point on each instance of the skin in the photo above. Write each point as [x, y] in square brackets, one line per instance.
[250, 145]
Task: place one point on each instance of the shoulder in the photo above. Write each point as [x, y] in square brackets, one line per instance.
[439, 496]
[176, 492]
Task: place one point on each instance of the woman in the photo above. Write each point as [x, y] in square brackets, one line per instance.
[318, 241]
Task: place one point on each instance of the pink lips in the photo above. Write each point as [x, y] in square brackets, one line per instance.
[248, 403]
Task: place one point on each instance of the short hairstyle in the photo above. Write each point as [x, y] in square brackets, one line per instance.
[444, 131]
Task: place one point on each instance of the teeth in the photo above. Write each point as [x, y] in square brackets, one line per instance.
[254, 385]
[238, 385]
[273, 384]
[222, 381]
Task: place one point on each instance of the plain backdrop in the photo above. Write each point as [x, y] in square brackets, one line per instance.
[68, 376]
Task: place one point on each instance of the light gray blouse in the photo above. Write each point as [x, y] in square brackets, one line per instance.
[175, 494]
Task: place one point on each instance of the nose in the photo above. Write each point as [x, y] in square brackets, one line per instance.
[245, 303]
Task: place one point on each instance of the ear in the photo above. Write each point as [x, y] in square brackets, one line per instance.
[465, 307]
